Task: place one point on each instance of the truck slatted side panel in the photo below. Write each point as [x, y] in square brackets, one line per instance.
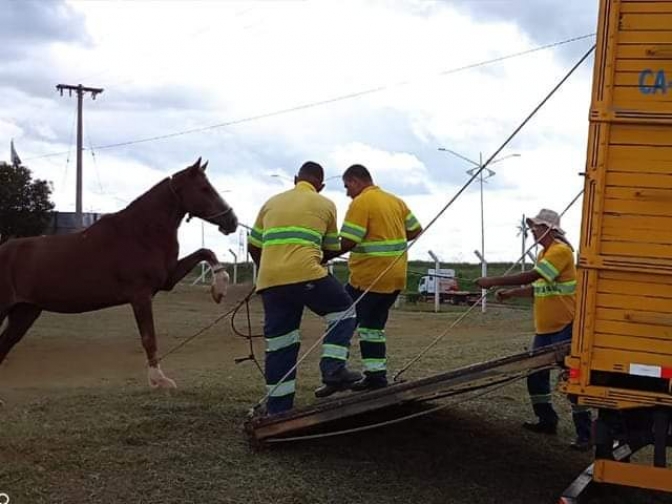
[633, 320]
[620, 360]
[624, 320]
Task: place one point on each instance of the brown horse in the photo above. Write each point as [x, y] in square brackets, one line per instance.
[125, 257]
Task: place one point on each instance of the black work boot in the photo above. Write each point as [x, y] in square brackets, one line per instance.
[370, 383]
[541, 427]
[338, 382]
[582, 445]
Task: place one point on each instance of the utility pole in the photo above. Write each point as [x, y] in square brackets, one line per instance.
[79, 90]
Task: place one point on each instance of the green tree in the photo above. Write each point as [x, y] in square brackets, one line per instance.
[25, 204]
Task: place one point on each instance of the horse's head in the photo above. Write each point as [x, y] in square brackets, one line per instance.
[199, 199]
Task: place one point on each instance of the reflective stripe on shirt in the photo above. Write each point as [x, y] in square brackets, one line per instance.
[411, 222]
[381, 248]
[291, 235]
[352, 232]
[542, 288]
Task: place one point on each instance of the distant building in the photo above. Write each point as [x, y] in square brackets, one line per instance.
[66, 222]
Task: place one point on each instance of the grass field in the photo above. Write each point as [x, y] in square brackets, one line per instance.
[80, 425]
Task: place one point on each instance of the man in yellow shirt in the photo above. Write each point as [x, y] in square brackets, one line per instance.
[290, 235]
[376, 230]
[552, 283]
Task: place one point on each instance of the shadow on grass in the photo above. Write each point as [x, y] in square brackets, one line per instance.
[453, 455]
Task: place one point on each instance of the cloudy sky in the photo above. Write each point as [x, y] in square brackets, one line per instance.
[258, 87]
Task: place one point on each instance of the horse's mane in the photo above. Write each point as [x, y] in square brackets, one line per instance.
[136, 206]
[147, 195]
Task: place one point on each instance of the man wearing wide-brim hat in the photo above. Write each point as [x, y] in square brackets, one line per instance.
[552, 283]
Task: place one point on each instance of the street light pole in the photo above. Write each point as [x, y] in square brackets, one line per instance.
[489, 173]
[437, 266]
[484, 273]
[484, 265]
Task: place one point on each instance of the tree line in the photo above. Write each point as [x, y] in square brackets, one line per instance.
[25, 203]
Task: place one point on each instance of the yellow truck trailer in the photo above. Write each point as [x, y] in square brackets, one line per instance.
[621, 355]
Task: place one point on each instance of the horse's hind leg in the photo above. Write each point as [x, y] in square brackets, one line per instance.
[19, 319]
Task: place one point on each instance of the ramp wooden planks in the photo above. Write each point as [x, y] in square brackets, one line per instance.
[477, 376]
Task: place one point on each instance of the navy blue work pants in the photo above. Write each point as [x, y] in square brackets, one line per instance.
[539, 388]
[372, 313]
[283, 309]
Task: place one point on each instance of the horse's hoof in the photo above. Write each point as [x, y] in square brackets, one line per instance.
[220, 284]
[157, 379]
[216, 297]
[165, 383]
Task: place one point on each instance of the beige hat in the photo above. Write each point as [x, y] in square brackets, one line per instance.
[547, 218]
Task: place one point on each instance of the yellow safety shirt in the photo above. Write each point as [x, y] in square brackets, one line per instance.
[377, 222]
[291, 229]
[554, 292]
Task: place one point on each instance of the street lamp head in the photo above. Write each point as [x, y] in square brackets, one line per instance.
[508, 156]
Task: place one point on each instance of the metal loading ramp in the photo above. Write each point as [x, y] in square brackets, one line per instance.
[328, 415]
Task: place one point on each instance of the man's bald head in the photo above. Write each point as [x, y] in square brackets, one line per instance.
[313, 173]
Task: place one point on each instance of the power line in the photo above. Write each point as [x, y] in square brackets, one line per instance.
[93, 157]
[328, 101]
[72, 132]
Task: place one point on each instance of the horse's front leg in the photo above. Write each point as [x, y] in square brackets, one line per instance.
[220, 279]
[144, 317]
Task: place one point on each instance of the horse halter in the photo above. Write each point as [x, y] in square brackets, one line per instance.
[190, 215]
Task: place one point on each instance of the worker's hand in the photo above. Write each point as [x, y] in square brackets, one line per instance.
[502, 295]
[484, 282]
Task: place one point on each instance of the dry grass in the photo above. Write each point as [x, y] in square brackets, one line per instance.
[80, 425]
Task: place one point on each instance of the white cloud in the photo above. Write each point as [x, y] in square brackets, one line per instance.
[181, 65]
[398, 168]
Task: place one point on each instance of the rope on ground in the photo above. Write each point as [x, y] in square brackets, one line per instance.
[471, 308]
[490, 388]
[474, 176]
